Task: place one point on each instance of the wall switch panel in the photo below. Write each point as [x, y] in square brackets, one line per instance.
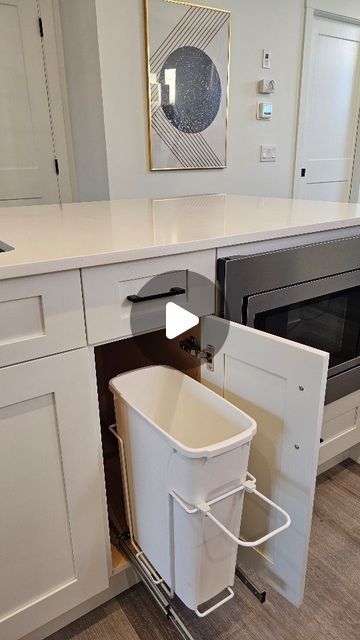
[266, 59]
[264, 110]
[268, 153]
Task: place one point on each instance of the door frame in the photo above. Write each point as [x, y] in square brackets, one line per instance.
[55, 77]
[333, 10]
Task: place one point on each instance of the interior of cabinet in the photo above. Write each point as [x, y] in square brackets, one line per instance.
[111, 360]
[118, 560]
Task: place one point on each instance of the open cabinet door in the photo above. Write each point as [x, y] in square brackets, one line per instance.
[281, 384]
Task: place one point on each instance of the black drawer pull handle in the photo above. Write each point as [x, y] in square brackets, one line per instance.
[174, 291]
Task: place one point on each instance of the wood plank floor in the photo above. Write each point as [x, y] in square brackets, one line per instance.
[331, 610]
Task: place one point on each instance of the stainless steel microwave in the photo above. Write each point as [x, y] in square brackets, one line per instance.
[309, 294]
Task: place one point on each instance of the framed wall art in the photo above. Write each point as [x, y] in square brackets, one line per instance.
[188, 49]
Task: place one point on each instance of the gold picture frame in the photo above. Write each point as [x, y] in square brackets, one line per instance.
[188, 68]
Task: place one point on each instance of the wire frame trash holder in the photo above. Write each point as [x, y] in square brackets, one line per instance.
[204, 508]
[184, 454]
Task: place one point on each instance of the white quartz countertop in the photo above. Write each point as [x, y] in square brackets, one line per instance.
[59, 237]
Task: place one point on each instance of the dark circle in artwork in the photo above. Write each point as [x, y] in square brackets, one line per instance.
[190, 89]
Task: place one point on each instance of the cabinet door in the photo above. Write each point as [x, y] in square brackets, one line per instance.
[282, 385]
[52, 539]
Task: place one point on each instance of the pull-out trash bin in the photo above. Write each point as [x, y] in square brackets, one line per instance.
[186, 452]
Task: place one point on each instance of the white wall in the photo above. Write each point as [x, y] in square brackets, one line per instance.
[256, 24]
[81, 56]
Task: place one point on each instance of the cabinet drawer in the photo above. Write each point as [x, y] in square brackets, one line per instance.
[107, 309]
[40, 315]
[341, 426]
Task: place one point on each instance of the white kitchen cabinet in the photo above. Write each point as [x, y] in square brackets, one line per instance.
[53, 549]
[108, 311]
[54, 540]
[40, 315]
[281, 384]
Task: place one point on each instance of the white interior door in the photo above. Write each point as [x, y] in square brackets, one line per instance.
[330, 113]
[282, 385]
[27, 169]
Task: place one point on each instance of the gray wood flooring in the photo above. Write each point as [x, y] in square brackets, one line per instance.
[331, 610]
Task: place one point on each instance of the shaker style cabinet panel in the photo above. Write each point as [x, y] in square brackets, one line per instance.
[281, 384]
[106, 291]
[53, 553]
[40, 315]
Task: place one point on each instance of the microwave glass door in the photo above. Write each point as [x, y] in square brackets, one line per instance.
[330, 323]
[324, 314]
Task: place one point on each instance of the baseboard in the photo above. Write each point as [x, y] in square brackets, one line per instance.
[118, 583]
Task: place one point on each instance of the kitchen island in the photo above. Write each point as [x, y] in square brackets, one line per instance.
[65, 318]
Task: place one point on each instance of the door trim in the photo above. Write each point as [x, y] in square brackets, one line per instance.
[54, 67]
[304, 91]
[303, 100]
[348, 9]
[355, 176]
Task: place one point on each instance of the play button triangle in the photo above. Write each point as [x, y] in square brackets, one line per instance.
[178, 320]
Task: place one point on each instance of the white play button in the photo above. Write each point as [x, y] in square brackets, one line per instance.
[178, 320]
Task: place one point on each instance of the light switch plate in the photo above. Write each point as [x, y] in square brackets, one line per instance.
[264, 110]
[266, 59]
[268, 153]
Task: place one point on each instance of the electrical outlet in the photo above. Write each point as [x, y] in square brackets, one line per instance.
[268, 153]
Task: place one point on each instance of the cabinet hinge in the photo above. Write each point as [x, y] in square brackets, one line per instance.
[192, 347]
[56, 163]
[41, 28]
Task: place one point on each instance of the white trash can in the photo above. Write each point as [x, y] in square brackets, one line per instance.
[182, 439]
